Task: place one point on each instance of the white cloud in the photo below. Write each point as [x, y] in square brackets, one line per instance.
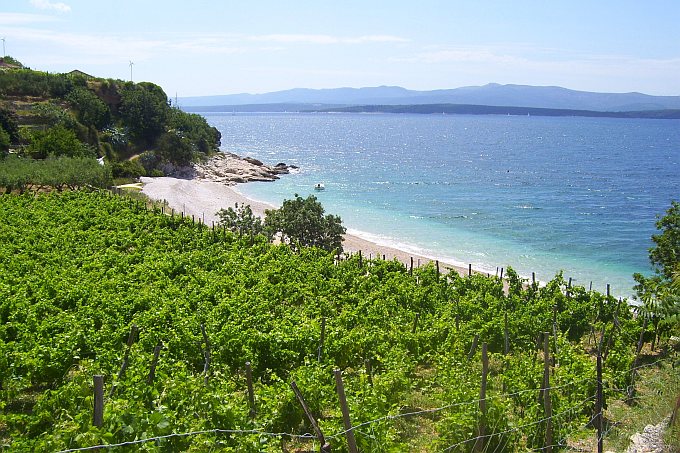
[23, 19]
[46, 4]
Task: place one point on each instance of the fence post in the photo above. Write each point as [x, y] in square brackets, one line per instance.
[319, 353]
[349, 434]
[98, 417]
[547, 403]
[325, 446]
[469, 269]
[437, 267]
[599, 403]
[251, 394]
[410, 269]
[481, 431]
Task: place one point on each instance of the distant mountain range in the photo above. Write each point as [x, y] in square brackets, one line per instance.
[493, 94]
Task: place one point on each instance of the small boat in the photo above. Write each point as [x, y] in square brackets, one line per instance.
[319, 186]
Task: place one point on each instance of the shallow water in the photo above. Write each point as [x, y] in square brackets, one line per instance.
[539, 194]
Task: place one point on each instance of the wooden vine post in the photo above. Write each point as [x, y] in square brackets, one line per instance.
[473, 348]
[154, 363]
[251, 393]
[126, 358]
[547, 403]
[506, 345]
[415, 323]
[349, 433]
[480, 441]
[98, 415]
[319, 353]
[599, 403]
[325, 446]
[206, 354]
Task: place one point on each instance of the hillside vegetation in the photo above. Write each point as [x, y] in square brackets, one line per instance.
[79, 269]
[132, 126]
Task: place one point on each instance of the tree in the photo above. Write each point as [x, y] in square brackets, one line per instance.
[4, 142]
[9, 122]
[302, 223]
[91, 111]
[665, 255]
[241, 220]
[660, 294]
[57, 141]
[195, 128]
[144, 111]
[174, 148]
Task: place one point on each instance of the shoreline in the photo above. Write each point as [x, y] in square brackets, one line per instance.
[202, 198]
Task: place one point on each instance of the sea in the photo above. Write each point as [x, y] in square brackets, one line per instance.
[542, 195]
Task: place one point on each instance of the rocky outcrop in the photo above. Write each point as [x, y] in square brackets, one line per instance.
[229, 169]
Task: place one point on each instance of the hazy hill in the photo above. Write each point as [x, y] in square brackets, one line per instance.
[491, 94]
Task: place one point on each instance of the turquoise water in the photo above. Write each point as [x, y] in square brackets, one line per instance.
[539, 194]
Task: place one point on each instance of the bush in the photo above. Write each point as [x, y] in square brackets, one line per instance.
[57, 141]
[128, 169]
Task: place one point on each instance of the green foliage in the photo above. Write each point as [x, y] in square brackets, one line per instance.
[144, 111]
[25, 82]
[55, 142]
[666, 252]
[127, 169]
[660, 294]
[302, 223]
[9, 123]
[196, 129]
[78, 268]
[174, 148]
[18, 173]
[91, 111]
[51, 115]
[4, 141]
[241, 220]
[11, 60]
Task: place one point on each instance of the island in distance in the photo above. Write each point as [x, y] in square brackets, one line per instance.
[475, 99]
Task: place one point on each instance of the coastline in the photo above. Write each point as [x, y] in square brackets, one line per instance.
[202, 198]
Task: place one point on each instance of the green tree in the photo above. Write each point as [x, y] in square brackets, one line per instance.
[57, 141]
[4, 141]
[240, 219]
[195, 128]
[90, 110]
[174, 148]
[302, 223]
[10, 123]
[660, 294]
[665, 254]
[144, 111]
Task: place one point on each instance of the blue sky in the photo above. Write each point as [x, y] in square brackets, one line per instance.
[222, 47]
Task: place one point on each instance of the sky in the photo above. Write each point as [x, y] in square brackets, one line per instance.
[196, 47]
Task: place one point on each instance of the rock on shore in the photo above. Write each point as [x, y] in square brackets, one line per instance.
[230, 169]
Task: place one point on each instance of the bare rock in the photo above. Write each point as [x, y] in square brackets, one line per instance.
[229, 169]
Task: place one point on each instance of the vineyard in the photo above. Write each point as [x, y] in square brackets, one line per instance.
[429, 361]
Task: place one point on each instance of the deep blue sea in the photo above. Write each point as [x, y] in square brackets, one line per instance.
[539, 194]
